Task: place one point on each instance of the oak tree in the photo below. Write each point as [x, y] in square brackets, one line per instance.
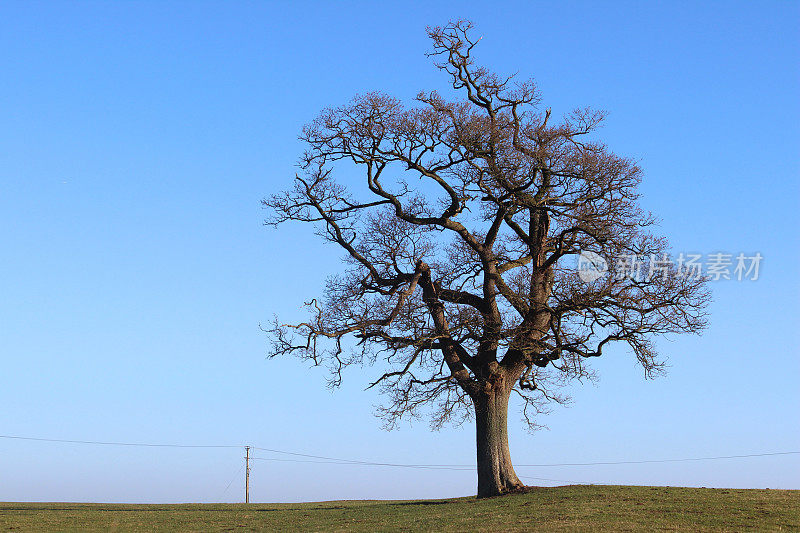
[460, 220]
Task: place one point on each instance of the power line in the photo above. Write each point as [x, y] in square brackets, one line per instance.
[232, 480]
[666, 460]
[596, 463]
[334, 460]
[307, 461]
[314, 456]
[461, 468]
[370, 463]
[352, 461]
[465, 468]
[321, 459]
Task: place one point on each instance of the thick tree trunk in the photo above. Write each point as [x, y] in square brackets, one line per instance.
[495, 472]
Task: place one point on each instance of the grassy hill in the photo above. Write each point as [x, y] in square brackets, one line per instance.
[573, 508]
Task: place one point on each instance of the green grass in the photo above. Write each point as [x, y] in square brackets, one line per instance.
[574, 508]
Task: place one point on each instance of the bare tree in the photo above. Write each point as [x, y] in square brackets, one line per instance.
[464, 284]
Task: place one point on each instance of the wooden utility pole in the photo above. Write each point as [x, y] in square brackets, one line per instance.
[247, 475]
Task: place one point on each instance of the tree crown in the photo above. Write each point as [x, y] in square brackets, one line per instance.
[465, 282]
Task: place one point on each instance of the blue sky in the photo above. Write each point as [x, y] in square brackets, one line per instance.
[138, 138]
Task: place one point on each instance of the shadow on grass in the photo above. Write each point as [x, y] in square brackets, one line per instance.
[422, 502]
[299, 509]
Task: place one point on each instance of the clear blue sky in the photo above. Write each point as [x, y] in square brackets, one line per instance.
[137, 139]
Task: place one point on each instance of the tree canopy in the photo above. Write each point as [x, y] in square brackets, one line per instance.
[461, 230]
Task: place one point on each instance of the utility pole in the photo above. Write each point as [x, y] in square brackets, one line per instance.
[247, 475]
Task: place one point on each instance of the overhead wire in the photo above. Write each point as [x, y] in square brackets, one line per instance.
[338, 460]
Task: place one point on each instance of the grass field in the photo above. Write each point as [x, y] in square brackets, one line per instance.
[573, 508]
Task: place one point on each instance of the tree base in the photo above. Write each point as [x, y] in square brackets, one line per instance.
[522, 489]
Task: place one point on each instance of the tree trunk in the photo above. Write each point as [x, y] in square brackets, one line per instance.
[495, 472]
